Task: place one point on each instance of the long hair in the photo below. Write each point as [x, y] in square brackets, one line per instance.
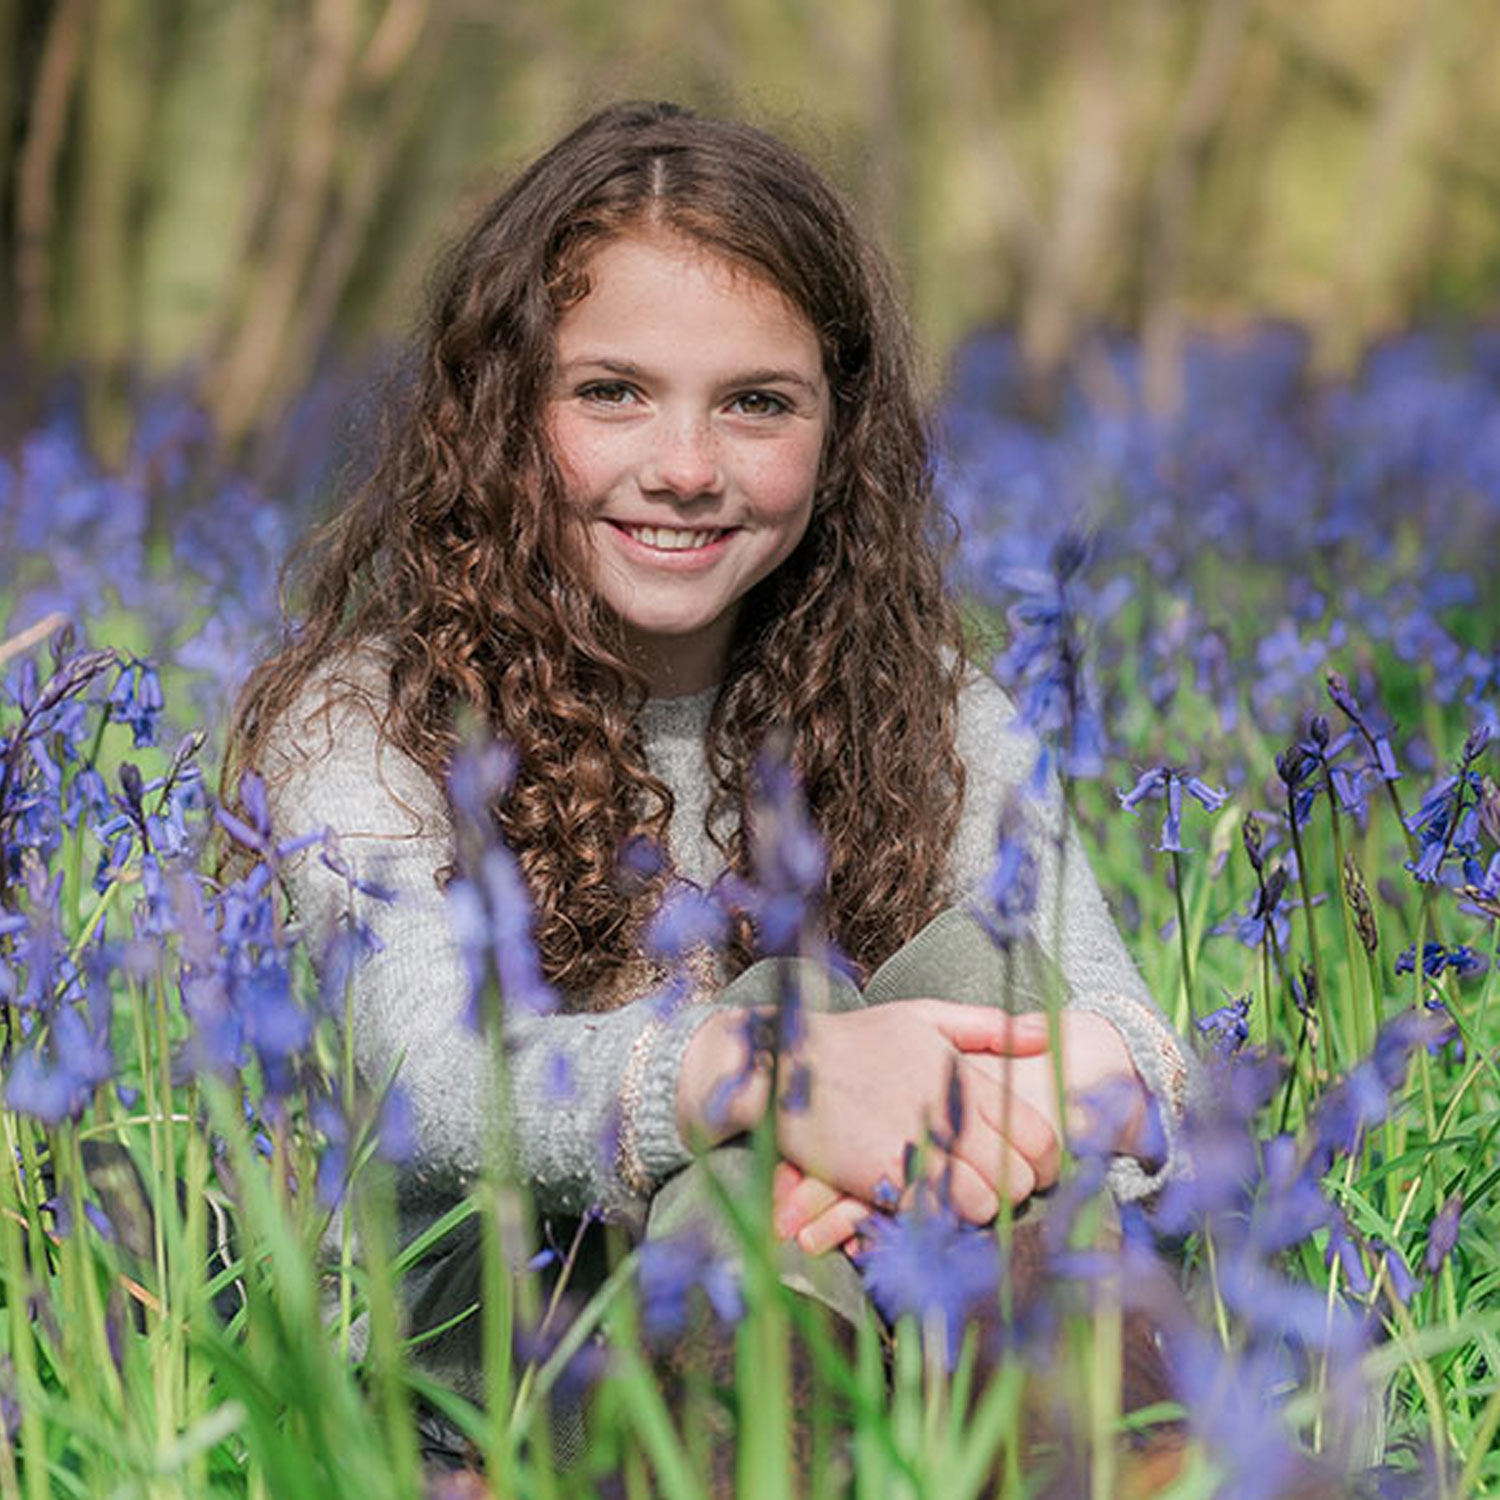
[460, 558]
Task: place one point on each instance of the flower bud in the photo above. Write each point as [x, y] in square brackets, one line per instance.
[1358, 897]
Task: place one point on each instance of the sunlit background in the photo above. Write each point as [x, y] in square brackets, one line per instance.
[252, 191]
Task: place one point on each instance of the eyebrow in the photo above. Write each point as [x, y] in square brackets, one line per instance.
[747, 377]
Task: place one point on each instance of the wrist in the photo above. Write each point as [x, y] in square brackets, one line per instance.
[722, 1090]
[1098, 1062]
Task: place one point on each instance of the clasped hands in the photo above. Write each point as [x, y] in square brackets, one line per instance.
[885, 1077]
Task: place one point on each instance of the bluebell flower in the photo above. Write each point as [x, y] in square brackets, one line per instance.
[253, 831]
[1169, 782]
[927, 1263]
[1006, 897]
[783, 899]
[1449, 1036]
[1442, 1233]
[481, 772]
[491, 913]
[136, 699]
[1266, 915]
[1363, 1097]
[1436, 958]
[332, 1174]
[687, 919]
[1481, 898]
[1442, 826]
[396, 1126]
[670, 1270]
[1375, 735]
[52, 1080]
[1045, 665]
[1228, 1027]
[1398, 1274]
[1345, 1247]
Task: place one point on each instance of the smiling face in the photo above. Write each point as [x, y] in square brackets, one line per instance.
[688, 417]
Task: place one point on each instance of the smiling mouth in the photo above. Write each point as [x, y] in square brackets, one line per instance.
[671, 538]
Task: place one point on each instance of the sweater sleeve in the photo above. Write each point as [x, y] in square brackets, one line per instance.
[592, 1097]
[1076, 929]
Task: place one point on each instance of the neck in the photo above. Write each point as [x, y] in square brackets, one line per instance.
[679, 666]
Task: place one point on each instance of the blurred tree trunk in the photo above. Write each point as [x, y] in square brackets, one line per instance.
[1372, 240]
[37, 170]
[316, 186]
[103, 276]
[1085, 209]
[1174, 189]
[11, 97]
[247, 185]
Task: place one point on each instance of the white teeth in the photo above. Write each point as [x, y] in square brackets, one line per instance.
[668, 539]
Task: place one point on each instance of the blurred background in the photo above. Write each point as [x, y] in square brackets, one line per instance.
[246, 194]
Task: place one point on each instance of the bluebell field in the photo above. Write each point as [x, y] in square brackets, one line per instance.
[1259, 643]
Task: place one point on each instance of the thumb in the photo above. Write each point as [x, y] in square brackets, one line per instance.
[981, 1028]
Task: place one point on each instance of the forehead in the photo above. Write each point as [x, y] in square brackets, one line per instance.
[657, 285]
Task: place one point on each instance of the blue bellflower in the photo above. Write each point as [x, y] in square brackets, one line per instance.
[1169, 783]
[670, 1270]
[928, 1263]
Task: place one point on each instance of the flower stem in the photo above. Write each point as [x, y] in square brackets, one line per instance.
[1182, 933]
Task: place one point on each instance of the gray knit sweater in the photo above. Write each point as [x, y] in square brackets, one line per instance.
[328, 767]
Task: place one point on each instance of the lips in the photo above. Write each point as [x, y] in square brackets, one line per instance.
[672, 538]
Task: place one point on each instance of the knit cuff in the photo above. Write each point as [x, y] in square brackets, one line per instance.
[650, 1145]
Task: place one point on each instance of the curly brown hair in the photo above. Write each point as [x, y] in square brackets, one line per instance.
[459, 557]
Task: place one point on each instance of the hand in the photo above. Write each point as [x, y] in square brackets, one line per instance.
[821, 1218]
[881, 1079]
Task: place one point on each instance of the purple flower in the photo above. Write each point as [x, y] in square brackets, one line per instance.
[1481, 898]
[688, 919]
[1362, 1097]
[1045, 667]
[1442, 1233]
[492, 918]
[136, 700]
[1227, 1028]
[1345, 1247]
[1444, 826]
[1397, 1273]
[1170, 782]
[52, 1080]
[670, 1270]
[928, 1263]
[1266, 916]
[1006, 897]
[396, 1126]
[1436, 957]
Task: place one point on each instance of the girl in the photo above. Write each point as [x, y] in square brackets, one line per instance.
[660, 494]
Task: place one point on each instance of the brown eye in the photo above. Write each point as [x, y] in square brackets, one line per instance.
[606, 392]
[761, 404]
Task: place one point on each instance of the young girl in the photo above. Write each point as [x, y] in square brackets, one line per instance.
[659, 496]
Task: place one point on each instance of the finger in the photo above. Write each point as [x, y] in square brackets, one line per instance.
[982, 1028]
[806, 1202]
[834, 1226]
[786, 1176]
[1001, 1109]
[970, 1193]
[997, 1165]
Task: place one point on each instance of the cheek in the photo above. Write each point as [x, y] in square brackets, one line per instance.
[580, 457]
[786, 480]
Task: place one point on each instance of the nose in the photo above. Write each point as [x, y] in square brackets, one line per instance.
[683, 460]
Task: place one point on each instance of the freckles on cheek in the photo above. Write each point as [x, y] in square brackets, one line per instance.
[789, 476]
